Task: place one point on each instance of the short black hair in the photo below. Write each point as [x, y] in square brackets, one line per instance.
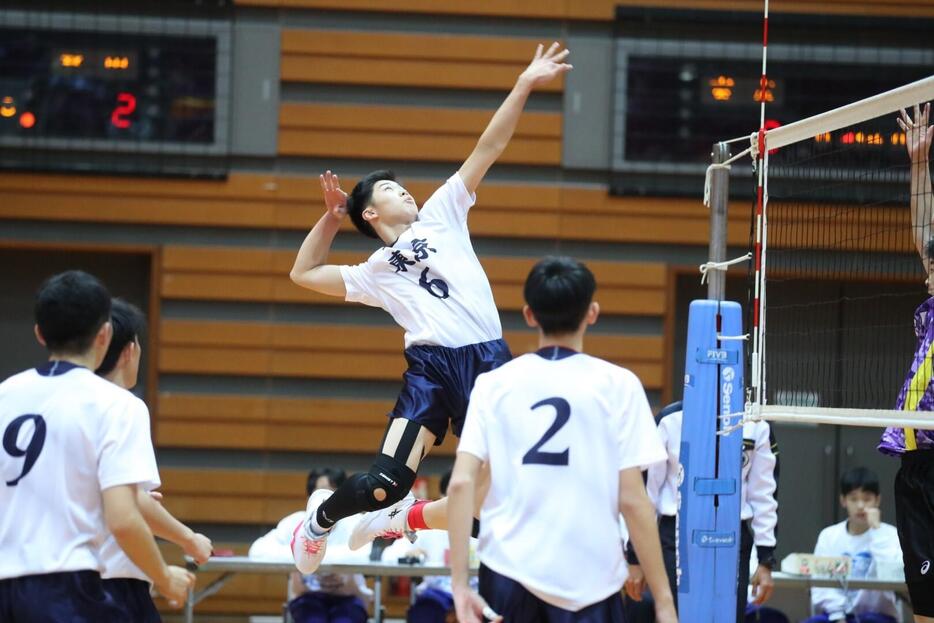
[559, 291]
[70, 309]
[929, 249]
[361, 196]
[335, 475]
[128, 324]
[859, 478]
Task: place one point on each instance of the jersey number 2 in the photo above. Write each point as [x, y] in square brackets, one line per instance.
[33, 448]
[562, 414]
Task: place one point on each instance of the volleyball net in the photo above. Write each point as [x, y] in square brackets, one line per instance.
[840, 224]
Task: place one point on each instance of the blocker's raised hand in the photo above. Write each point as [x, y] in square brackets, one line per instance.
[547, 65]
[918, 133]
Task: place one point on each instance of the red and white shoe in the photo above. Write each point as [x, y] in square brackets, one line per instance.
[308, 548]
[389, 523]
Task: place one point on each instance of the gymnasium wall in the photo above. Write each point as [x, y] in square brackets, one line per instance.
[251, 380]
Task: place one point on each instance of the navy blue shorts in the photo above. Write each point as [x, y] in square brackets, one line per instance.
[133, 596]
[516, 604]
[436, 386]
[71, 596]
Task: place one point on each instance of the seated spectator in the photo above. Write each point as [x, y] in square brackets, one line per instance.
[867, 541]
[320, 597]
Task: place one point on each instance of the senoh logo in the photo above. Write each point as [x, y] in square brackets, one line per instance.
[925, 567]
[726, 391]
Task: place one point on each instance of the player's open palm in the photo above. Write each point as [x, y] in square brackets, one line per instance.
[918, 133]
[547, 65]
[176, 585]
[471, 608]
[335, 199]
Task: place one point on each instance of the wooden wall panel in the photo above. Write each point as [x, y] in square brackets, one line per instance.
[413, 132]
[273, 423]
[406, 59]
[346, 352]
[237, 274]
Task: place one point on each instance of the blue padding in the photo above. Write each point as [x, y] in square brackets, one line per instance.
[709, 513]
[717, 356]
[714, 486]
[707, 538]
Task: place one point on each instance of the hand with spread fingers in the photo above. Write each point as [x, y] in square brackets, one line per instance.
[918, 133]
[335, 199]
[547, 65]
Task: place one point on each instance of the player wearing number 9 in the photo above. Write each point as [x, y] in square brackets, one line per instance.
[75, 449]
[564, 436]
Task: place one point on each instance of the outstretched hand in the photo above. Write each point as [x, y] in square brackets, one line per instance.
[547, 65]
[918, 133]
[335, 199]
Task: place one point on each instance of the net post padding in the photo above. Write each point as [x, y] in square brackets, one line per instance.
[851, 114]
[873, 418]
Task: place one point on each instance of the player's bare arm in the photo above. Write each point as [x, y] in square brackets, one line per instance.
[639, 514]
[545, 67]
[462, 490]
[125, 522]
[310, 269]
[167, 527]
[918, 134]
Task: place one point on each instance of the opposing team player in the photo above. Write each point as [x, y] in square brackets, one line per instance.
[75, 450]
[123, 580]
[565, 436]
[428, 278]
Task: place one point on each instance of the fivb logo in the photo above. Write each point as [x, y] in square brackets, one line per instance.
[726, 393]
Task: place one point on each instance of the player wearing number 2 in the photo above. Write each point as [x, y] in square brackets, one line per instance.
[75, 448]
[565, 436]
[428, 278]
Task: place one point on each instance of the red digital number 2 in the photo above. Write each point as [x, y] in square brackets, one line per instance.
[126, 104]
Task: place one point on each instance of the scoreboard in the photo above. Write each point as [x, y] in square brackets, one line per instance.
[143, 85]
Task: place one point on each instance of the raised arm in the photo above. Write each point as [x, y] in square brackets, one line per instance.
[545, 67]
[310, 270]
[919, 134]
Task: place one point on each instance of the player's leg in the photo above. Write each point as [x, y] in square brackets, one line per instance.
[914, 519]
[435, 513]
[385, 485]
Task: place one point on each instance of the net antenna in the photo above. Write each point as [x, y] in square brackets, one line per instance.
[851, 227]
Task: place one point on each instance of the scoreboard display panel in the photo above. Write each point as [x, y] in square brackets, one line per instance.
[159, 86]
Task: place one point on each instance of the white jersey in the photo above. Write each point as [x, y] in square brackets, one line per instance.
[874, 546]
[556, 428]
[430, 280]
[661, 481]
[67, 436]
[115, 561]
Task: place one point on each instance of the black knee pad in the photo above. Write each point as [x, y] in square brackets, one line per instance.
[388, 474]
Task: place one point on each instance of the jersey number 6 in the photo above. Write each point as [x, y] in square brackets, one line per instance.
[562, 414]
[33, 448]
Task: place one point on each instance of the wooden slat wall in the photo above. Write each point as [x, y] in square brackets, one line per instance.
[604, 10]
[406, 59]
[533, 211]
[414, 132]
[237, 274]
